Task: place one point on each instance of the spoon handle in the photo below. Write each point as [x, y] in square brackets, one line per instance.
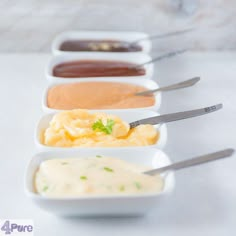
[183, 84]
[176, 116]
[159, 36]
[193, 162]
[164, 56]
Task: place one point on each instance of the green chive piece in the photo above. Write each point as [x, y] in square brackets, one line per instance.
[108, 169]
[83, 177]
[138, 185]
[98, 156]
[64, 163]
[45, 188]
[122, 188]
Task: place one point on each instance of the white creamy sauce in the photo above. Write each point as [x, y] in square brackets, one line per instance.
[72, 177]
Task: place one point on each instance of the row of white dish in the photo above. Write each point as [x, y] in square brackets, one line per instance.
[150, 156]
[132, 57]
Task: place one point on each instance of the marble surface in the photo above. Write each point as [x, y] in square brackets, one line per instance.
[30, 25]
[203, 202]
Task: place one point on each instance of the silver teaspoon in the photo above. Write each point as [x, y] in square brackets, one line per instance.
[165, 35]
[153, 60]
[176, 116]
[183, 84]
[192, 162]
[162, 57]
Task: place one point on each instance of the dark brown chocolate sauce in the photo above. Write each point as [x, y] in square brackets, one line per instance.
[99, 46]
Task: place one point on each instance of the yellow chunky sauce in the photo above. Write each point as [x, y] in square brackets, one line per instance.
[72, 177]
[79, 128]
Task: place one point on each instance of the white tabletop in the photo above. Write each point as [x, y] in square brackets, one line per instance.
[203, 202]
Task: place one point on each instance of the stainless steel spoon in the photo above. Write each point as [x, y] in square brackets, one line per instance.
[156, 59]
[183, 84]
[160, 58]
[192, 162]
[176, 116]
[165, 35]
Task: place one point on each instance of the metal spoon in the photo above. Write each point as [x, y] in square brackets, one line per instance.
[156, 59]
[192, 162]
[164, 56]
[165, 35]
[183, 84]
[176, 116]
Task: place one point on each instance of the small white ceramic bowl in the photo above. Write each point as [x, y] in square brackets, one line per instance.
[101, 35]
[137, 59]
[127, 116]
[105, 205]
[149, 84]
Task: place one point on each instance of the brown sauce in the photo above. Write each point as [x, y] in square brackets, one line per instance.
[99, 46]
[97, 68]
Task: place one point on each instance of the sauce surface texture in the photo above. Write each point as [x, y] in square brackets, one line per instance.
[96, 68]
[74, 177]
[99, 46]
[97, 95]
[79, 128]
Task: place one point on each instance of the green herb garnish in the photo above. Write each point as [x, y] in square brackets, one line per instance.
[45, 188]
[83, 177]
[98, 156]
[138, 185]
[108, 169]
[122, 188]
[107, 129]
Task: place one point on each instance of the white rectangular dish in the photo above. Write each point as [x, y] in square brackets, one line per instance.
[128, 116]
[149, 84]
[137, 59]
[127, 36]
[103, 205]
